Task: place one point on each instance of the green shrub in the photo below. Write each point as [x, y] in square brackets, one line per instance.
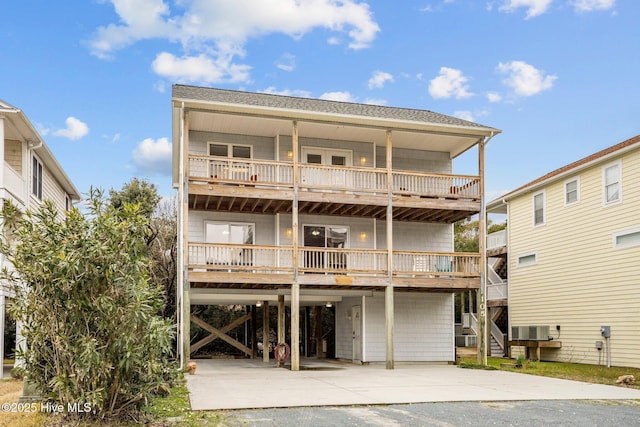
[88, 310]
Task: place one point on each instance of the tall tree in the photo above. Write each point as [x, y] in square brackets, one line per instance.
[161, 235]
[137, 191]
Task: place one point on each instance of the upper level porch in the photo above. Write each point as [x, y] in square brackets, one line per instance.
[267, 186]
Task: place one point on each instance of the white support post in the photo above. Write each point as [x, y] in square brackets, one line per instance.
[295, 286]
[388, 293]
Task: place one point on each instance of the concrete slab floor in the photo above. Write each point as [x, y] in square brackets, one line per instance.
[245, 384]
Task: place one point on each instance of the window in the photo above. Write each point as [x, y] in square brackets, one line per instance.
[527, 259]
[36, 178]
[572, 191]
[324, 236]
[611, 186]
[626, 238]
[228, 233]
[538, 209]
[230, 150]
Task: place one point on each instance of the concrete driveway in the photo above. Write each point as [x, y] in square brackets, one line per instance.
[245, 384]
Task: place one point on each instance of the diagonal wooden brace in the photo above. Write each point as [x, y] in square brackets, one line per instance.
[220, 333]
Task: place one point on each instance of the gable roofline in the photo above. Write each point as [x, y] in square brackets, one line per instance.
[572, 168]
[331, 111]
[41, 148]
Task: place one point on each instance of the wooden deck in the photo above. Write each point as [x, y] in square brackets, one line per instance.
[262, 186]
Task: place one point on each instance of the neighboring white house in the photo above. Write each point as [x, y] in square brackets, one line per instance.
[285, 200]
[30, 174]
[573, 249]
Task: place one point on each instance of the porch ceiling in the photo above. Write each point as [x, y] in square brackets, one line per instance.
[450, 142]
[245, 204]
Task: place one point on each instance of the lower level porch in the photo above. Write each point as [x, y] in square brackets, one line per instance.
[253, 266]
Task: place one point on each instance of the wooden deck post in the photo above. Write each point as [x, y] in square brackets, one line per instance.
[254, 332]
[295, 286]
[265, 331]
[317, 315]
[295, 327]
[388, 293]
[281, 321]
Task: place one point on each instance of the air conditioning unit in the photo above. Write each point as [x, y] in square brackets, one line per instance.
[539, 333]
[466, 341]
[519, 333]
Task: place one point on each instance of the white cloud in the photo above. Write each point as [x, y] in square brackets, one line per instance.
[212, 29]
[525, 79]
[338, 96]
[534, 7]
[591, 5]
[287, 62]
[75, 129]
[201, 68]
[379, 78]
[153, 157]
[374, 101]
[451, 83]
[141, 19]
[464, 115]
[287, 92]
[494, 97]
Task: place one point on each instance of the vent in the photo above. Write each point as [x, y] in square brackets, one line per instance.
[466, 341]
[539, 333]
[519, 333]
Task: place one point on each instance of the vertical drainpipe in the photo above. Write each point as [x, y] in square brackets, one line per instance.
[181, 243]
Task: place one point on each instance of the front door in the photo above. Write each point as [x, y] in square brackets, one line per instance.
[356, 318]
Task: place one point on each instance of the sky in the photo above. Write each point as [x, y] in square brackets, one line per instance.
[560, 78]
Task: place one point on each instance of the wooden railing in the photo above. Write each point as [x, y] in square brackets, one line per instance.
[250, 172]
[497, 239]
[241, 171]
[436, 185]
[224, 257]
[436, 263]
[330, 260]
[333, 178]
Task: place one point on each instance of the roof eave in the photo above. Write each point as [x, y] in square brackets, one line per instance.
[561, 176]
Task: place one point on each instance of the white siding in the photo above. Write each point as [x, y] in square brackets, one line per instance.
[580, 281]
[423, 330]
[13, 154]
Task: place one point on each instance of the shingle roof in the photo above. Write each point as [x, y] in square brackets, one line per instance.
[624, 144]
[319, 106]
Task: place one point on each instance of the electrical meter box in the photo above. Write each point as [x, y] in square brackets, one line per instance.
[605, 331]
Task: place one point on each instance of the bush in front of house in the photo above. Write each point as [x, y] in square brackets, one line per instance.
[88, 310]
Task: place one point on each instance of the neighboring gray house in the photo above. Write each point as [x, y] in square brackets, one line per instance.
[285, 201]
[30, 174]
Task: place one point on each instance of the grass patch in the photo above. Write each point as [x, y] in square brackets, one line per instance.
[168, 411]
[595, 374]
[175, 409]
[474, 365]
